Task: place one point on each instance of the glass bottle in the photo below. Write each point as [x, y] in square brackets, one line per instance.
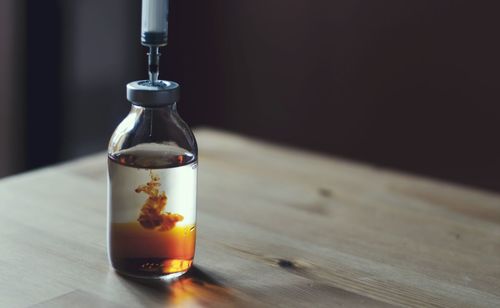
[152, 178]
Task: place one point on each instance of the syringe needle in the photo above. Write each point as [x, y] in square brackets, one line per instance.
[154, 63]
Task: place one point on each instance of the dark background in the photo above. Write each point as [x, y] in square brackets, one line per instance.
[412, 85]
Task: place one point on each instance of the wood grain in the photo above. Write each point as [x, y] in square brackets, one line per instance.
[277, 227]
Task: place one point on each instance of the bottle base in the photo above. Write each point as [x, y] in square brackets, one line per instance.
[152, 268]
[164, 277]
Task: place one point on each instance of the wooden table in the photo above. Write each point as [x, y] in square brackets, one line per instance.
[277, 227]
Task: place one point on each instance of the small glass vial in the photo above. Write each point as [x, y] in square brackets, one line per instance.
[152, 178]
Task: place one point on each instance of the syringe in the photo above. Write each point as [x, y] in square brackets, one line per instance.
[154, 33]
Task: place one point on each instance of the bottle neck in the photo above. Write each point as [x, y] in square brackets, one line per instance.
[159, 109]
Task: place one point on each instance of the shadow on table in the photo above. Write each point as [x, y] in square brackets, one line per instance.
[196, 287]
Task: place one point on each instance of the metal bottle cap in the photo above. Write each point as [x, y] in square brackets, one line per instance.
[145, 94]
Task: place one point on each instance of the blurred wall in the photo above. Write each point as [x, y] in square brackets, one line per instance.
[411, 85]
[10, 92]
[101, 54]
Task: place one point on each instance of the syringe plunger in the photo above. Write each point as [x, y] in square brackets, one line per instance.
[154, 22]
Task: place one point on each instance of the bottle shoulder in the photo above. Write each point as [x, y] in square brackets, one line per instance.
[152, 126]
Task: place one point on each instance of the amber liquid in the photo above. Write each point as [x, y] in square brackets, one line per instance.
[140, 251]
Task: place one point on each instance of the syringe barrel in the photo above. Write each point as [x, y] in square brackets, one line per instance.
[154, 22]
